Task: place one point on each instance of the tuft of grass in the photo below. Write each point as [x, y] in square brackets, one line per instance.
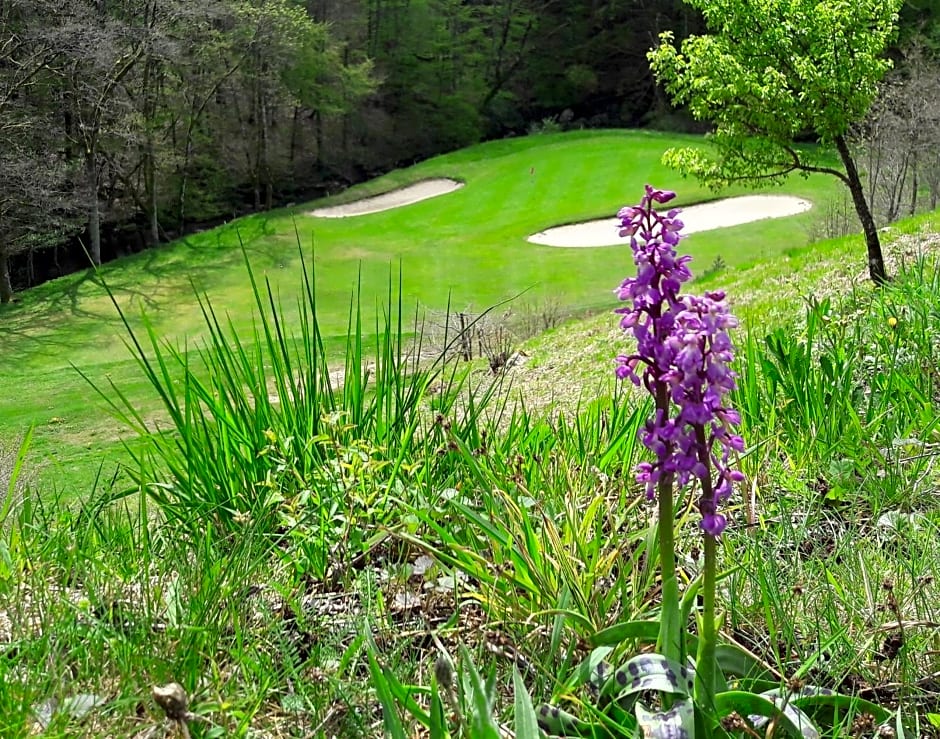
[14, 476]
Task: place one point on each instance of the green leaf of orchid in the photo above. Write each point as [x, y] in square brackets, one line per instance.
[761, 710]
[650, 672]
[526, 722]
[676, 723]
[556, 722]
[642, 631]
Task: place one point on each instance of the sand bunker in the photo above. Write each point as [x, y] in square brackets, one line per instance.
[415, 193]
[704, 217]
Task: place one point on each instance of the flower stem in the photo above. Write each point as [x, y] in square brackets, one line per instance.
[705, 660]
[670, 630]
[670, 636]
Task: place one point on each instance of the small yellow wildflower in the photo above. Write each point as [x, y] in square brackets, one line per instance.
[892, 321]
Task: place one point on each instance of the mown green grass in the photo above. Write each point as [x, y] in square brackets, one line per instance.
[467, 247]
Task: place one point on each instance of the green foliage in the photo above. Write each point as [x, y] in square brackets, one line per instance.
[540, 519]
[546, 125]
[264, 437]
[316, 69]
[610, 697]
[843, 398]
[13, 479]
[919, 24]
[472, 700]
[546, 557]
[770, 73]
[823, 393]
[530, 522]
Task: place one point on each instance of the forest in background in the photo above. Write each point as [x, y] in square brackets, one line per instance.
[126, 123]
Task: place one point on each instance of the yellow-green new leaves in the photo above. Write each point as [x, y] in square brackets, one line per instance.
[772, 71]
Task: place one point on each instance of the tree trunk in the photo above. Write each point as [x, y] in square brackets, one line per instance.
[184, 181]
[876, 262]
[265, 164]
[256, 174]
[318, 132]
[6, 287]
[150, 191]
[294, 125]
[150, 84]
[94, 216]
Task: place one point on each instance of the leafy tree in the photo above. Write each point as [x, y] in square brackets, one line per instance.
[773, 72]
[206, 60]
[920, 23]
[324, 79]
[290, 62]
[96, 105]
[35, 205]
[429, 56]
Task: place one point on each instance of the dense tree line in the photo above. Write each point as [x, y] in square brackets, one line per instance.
[156, 113]
[125, 122]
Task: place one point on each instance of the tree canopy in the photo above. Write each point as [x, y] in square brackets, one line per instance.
[773, 72]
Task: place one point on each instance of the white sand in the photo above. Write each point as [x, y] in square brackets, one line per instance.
[704, 217]
[395, 199]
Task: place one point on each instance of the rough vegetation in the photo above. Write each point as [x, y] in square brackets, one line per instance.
[402, 528]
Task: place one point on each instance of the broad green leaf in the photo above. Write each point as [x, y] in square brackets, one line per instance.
[760, 710]
[736, 661]
[650, 672]
[594, 670]
[556, 722]
[527, 726]
[840, 702]
[643, 631]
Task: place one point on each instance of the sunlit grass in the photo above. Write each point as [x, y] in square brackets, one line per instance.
[466, 249]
